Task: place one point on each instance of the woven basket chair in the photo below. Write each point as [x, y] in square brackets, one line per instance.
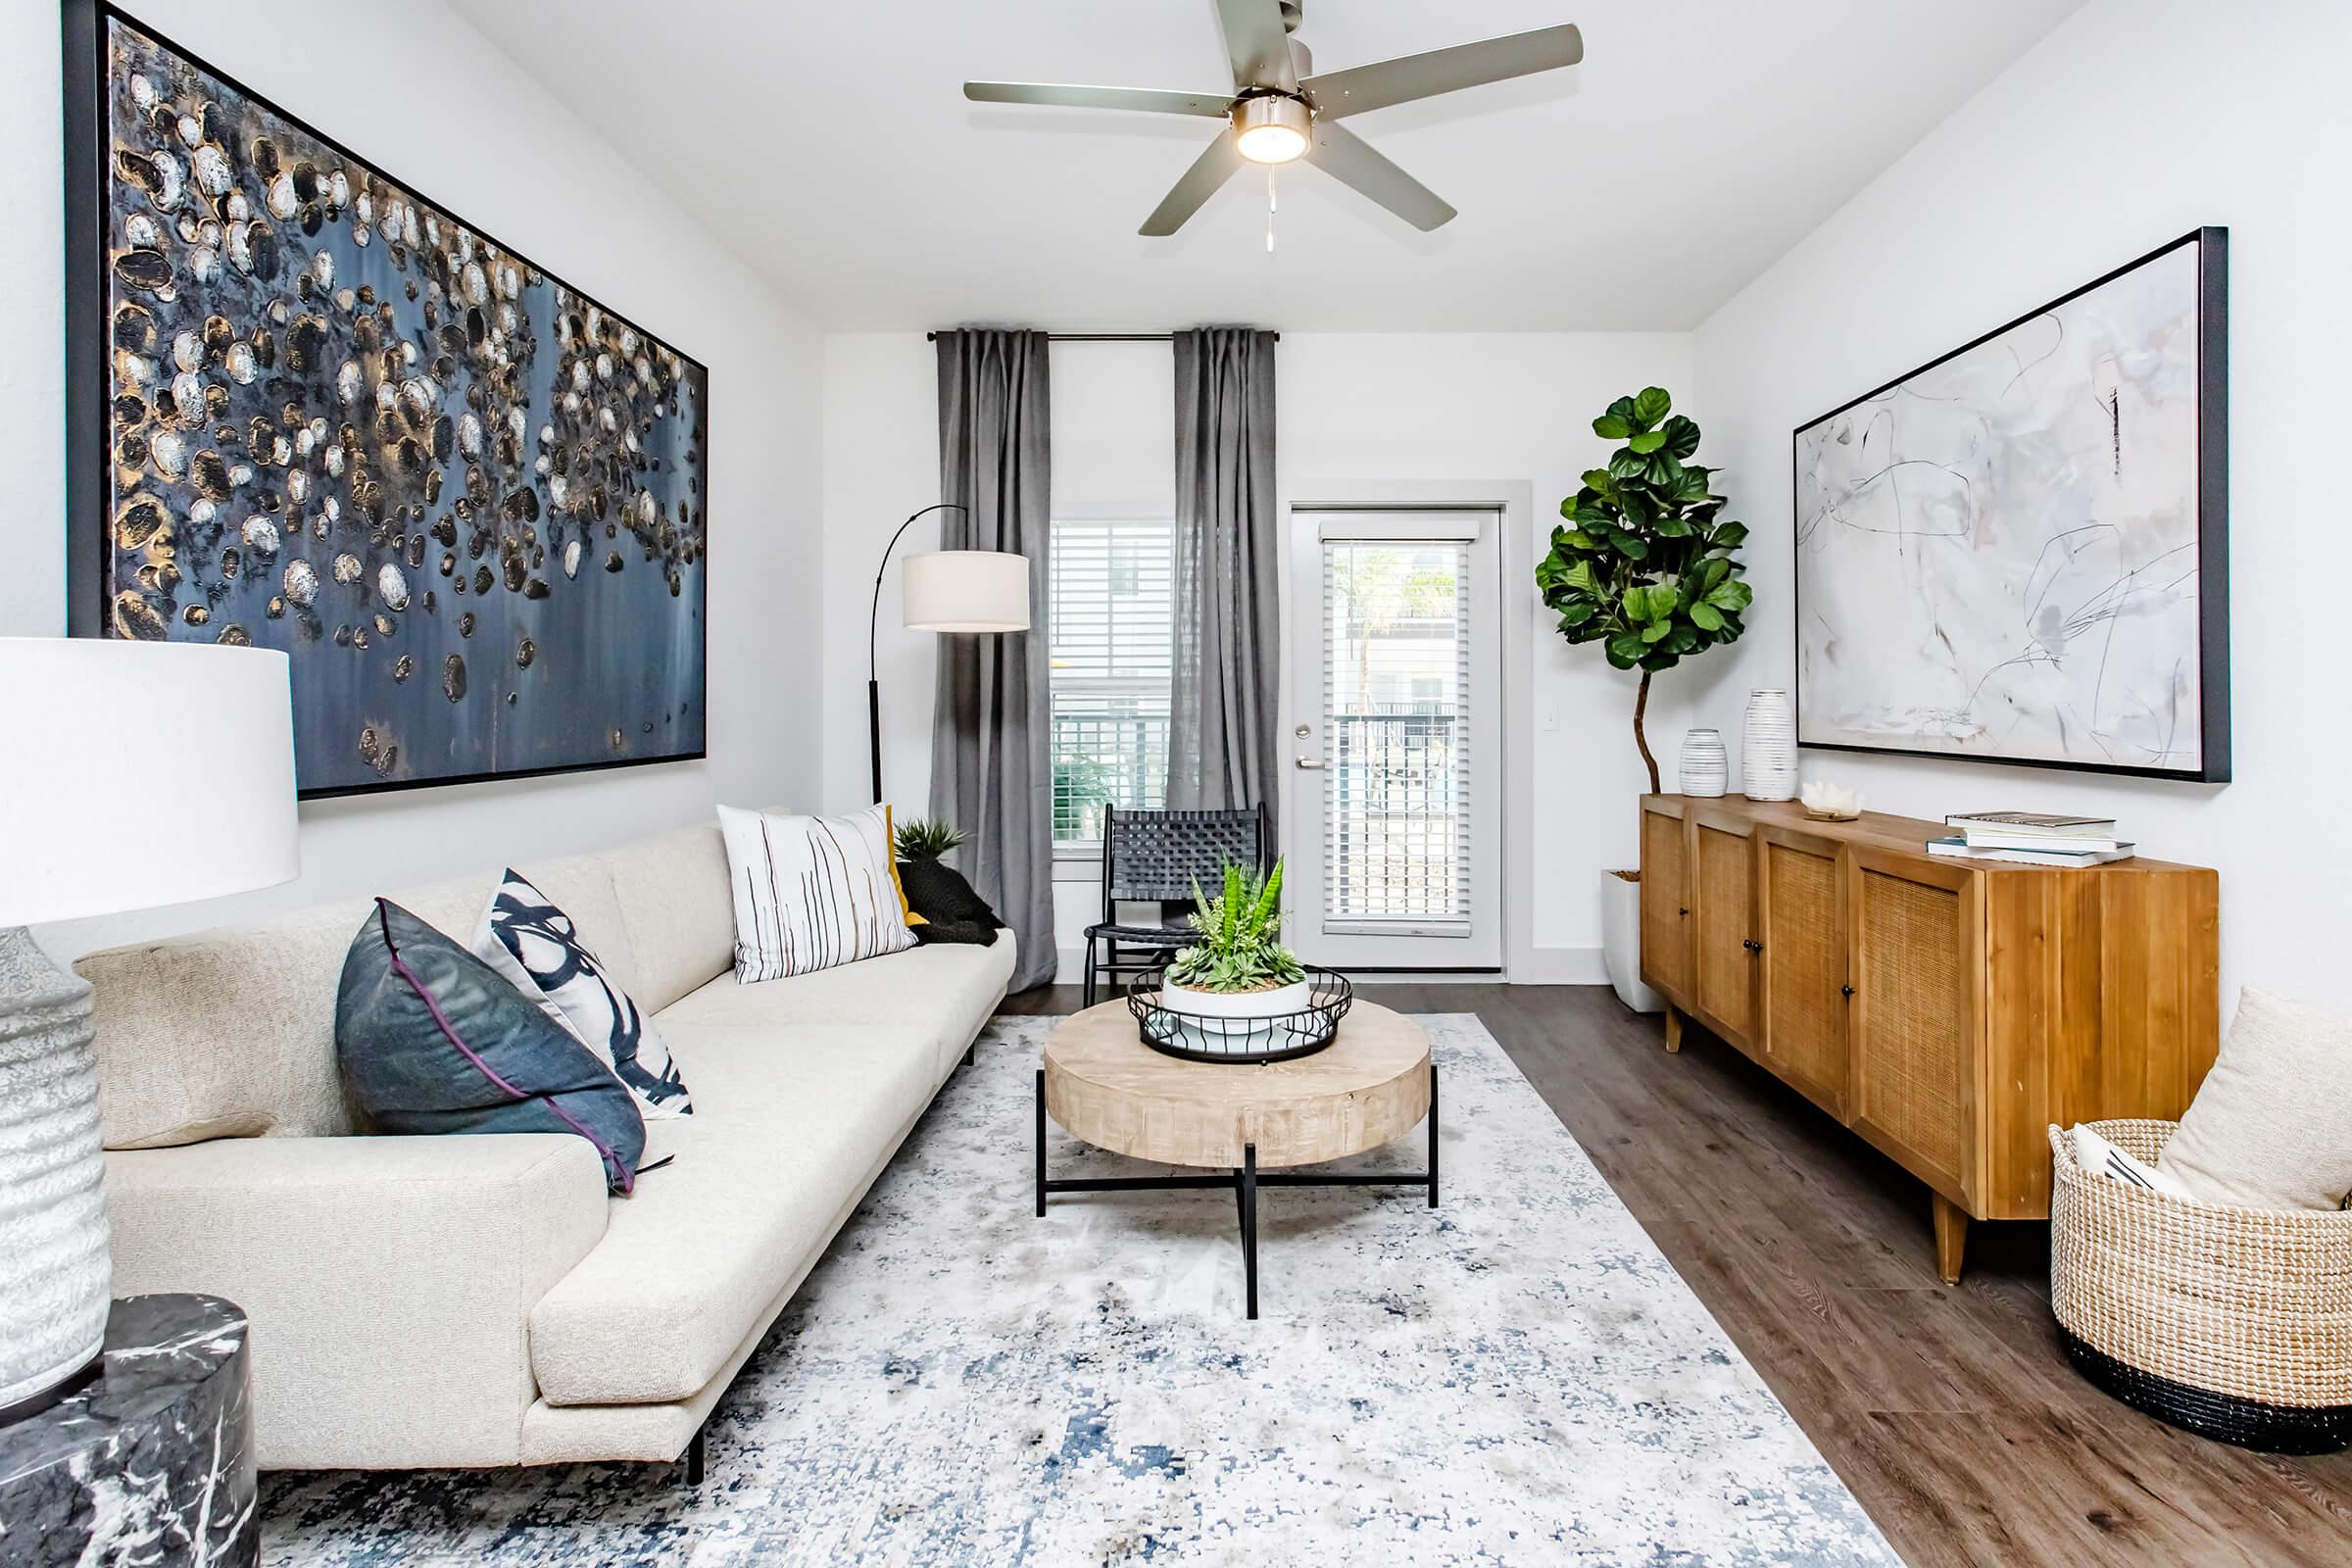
[2232, 1323]
[1160, 858]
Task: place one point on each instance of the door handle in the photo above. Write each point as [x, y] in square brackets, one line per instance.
[1308, 762]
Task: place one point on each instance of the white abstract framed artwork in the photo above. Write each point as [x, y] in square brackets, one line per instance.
[2020, 552]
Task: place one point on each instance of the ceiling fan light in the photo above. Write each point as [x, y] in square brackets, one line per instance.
[1271, 129]
[1272, 144]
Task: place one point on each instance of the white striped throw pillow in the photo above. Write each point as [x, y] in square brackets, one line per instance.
[811, 892]
[2101, 1157]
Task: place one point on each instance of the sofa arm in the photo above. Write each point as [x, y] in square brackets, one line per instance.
[389, 1280]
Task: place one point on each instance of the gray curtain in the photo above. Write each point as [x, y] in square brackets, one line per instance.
[990, 774]
[1222, 748]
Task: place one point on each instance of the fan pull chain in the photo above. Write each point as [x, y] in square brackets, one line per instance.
[1269, 208]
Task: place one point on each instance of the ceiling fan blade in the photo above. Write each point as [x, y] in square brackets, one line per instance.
[1200, 182]
[1348, 159]
[1337, 93]
[1259, 44]
[1151, 100]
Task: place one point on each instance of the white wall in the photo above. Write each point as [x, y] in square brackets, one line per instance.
[517, 162]
[1356, 409]
[2132, 123]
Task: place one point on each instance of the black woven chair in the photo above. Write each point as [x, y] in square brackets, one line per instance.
[1158, 858]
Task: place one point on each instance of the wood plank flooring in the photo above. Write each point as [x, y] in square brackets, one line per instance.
[1951, 1412]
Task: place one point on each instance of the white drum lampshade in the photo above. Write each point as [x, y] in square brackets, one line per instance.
[966, 591]
[139, 774]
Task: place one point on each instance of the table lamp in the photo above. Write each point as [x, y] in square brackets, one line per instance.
[949, 591]
[139, 774]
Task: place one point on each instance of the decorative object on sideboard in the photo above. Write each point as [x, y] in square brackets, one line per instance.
[1706, 768]
[2019, 552]
[975, 591]
[1643, 563]
[311, 410]
[151, 1462]
[1831, 803]
[1768, 746]
[2032, 838]
[152, 773]
[2232, 1323]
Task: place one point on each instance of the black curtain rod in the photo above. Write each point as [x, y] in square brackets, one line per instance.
[1100, 337]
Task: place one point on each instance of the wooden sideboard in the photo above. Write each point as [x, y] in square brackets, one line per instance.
[1948, 1010]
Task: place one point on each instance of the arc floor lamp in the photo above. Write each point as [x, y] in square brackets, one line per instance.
[946, 591]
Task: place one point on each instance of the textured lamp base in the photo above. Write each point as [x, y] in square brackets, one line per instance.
[54, 1275]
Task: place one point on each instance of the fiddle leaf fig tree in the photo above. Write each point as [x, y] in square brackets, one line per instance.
[1643, 561]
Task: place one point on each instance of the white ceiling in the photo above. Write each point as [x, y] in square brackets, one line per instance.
[830, 145]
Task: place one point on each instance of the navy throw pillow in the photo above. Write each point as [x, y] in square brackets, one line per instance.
[430, 1039]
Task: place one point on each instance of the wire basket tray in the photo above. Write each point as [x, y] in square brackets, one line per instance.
[1242, 1040]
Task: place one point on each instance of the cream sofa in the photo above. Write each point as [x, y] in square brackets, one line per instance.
[480, 1300]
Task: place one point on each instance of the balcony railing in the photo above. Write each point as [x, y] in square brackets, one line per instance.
[1395, 815]
[1104, 760]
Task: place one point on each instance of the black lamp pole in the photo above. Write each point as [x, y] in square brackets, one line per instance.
[873, 685]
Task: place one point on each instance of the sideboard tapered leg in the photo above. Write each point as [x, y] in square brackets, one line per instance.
[1951, 1236]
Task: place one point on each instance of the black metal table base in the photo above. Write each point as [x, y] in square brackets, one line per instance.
[1245, 1182]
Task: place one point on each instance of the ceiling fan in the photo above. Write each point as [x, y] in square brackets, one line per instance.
[1281, 112]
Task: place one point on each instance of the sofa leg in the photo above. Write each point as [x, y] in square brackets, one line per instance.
[694, 1459]
[971, 1053]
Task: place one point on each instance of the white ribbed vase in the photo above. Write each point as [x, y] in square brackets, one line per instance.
[1768, 746]
[54, 1275]
[1706, 769]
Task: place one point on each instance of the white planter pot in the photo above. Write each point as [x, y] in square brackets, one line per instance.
[1621, 943]
[1240, 1004]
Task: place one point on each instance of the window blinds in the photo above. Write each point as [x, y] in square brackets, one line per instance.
[1111, 591]
[1396, 714]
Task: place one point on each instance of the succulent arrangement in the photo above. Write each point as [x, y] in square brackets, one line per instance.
[921, 838]
[1239, 947]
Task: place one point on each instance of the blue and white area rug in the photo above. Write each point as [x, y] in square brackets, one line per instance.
[1516, 1377]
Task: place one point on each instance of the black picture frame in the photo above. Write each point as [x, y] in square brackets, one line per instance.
[2213, 521]
[87, 154]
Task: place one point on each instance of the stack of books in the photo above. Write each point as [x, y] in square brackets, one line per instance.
[2031, 838]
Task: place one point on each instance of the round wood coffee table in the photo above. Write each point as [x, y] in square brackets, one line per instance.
[1367, 1088]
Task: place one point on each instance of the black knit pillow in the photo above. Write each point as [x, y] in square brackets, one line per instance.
[952, 912]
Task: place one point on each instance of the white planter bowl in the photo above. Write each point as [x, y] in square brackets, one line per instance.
[1213, 1006]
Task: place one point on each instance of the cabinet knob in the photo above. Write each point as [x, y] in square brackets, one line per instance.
[1846, 991]
[1682, 911]
[1752, 945]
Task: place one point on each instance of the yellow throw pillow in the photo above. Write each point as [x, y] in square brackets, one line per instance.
[890, 833]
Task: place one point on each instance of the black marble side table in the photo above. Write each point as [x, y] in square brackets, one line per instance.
[151, 1461]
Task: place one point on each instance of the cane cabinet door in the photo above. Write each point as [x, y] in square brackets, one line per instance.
[1665, 902]
[1722, 922]
[1915, 930]
[1800, 999]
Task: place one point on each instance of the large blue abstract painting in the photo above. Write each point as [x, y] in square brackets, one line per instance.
[339, 420]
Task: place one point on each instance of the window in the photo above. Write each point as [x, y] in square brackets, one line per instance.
[1113, 587]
